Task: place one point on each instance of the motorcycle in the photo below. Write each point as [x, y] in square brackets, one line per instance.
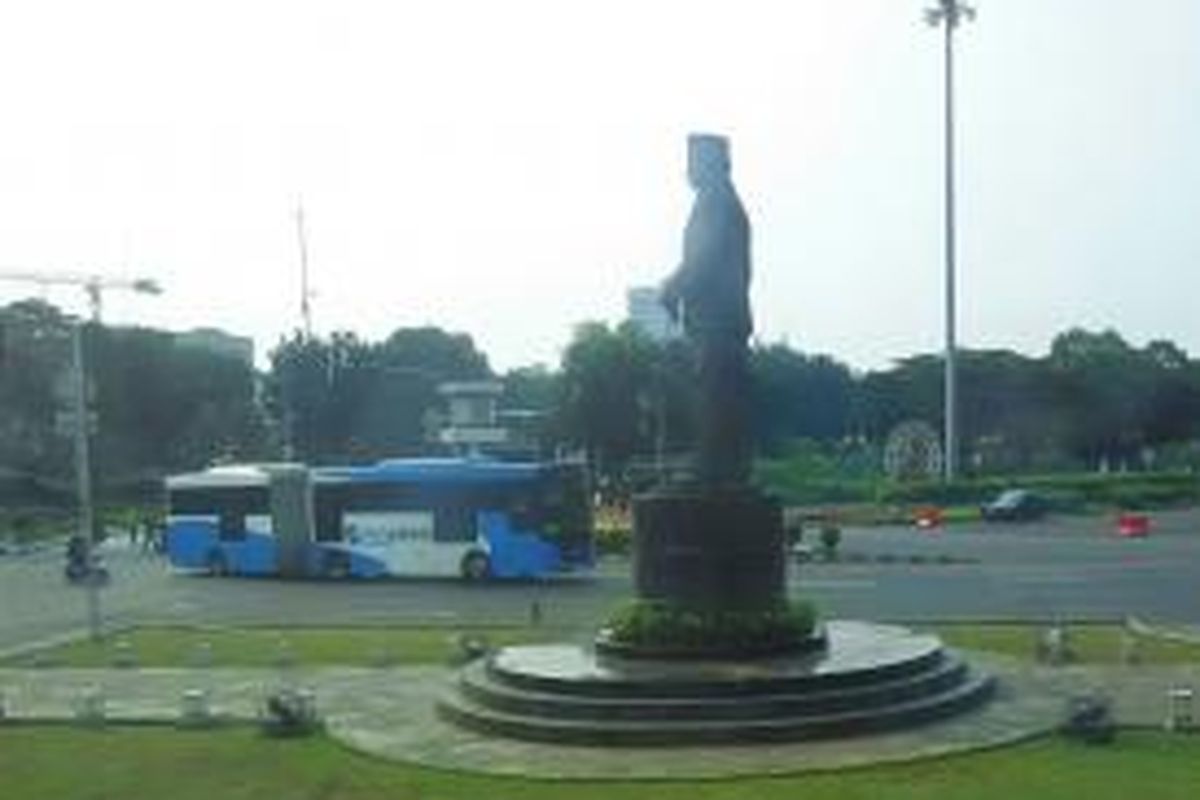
[82, 565]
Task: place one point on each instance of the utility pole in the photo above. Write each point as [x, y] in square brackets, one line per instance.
[93, 286]
[950, 13]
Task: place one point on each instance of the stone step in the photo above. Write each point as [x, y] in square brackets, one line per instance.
[578, 672]
[458, 708]
[482, 687]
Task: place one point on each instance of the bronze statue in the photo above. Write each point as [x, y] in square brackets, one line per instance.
[709, 293]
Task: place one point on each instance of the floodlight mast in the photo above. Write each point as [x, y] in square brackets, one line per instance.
[950, 13]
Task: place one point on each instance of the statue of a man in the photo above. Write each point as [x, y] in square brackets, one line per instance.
[709, 292]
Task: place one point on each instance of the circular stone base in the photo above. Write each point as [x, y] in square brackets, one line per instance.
[868, 679]
[398, 722]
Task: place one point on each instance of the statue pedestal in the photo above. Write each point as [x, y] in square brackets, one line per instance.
[709, 549]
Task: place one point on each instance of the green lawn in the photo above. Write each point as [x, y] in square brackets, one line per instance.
[366, 646]
[263, 647]
[135, 763]
[1092, 644]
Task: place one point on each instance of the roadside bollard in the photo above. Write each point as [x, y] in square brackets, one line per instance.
[90, 706]
[3, 706]
[1181, 709]
[1053, 646]
[470, 647]
[194, 709]
[123, 656]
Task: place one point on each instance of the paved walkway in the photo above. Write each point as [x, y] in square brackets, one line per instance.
[390, 713]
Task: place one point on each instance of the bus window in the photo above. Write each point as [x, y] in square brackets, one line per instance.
[454, 525]
[232, 525]
[328, 513]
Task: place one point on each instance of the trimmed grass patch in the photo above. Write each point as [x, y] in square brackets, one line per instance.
[1092, 644]
[263, 647]
[240, 764]
[368, 646]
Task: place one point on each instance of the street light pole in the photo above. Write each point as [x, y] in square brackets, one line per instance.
[83, 475]
[950, 12]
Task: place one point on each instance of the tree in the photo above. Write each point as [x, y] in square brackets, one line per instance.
[163, 406]
[798, 396]
[1101, 401]
[35, 363]
[343, 398]
[605, 405]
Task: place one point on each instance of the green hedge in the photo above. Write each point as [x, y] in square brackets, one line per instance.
[647, 623]
[1071, 492]
[1065, 492]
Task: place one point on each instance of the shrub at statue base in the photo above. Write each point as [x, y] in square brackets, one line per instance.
[657, 628]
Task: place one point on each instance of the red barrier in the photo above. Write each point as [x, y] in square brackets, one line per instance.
[1133, 525]
[928, 517]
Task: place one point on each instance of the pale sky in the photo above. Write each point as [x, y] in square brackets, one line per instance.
[509, 168]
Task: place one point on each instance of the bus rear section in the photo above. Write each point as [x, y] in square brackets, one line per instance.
[220, 521]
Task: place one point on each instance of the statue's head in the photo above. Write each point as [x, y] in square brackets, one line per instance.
[708, 159]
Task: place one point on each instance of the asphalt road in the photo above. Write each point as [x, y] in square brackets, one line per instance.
[1068, 567]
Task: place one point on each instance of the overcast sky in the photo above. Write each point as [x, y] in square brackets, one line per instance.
[509, 168]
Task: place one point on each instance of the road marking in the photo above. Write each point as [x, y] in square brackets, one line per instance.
[835, 583]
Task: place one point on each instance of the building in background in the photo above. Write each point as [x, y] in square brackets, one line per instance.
[648, 315]
[471, 425]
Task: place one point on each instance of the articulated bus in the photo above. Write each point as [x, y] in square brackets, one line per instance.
[471, 518]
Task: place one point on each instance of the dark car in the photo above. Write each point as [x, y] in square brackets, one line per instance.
[1014, 505]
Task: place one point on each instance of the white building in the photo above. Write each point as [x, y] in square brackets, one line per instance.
[472, 423]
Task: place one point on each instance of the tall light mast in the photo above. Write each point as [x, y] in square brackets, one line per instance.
[950, 13]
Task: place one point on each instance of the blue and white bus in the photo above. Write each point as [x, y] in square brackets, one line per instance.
[414, 517]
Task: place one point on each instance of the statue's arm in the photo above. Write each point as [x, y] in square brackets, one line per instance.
[670, 294]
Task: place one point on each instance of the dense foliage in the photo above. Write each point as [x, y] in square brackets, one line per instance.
[156, 406]
[1093, 403]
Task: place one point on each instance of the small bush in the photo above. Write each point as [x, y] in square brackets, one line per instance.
[289, 712]
[614, 540]
[831, 537]
[1089, 719]
[653, 624]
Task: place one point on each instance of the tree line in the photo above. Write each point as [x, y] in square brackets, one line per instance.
[1094, 401]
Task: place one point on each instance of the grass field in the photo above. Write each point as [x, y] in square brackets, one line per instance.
[137, 763]
[49, 761]
[1092, 644]
[263, 647]
[369, 646]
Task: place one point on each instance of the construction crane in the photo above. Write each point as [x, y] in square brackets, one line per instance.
[93, 284]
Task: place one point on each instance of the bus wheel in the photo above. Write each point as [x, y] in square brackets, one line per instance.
[476, 566]
[217, 565]
[336, 565]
